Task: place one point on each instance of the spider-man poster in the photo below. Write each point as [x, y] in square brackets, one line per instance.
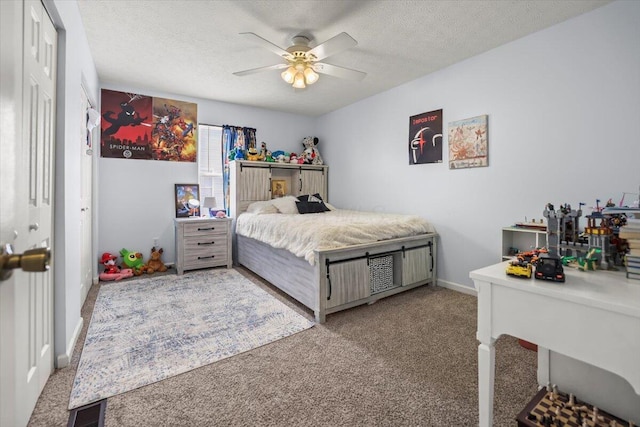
[136, 126]
[425, 138]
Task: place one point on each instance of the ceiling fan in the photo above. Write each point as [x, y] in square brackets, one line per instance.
[301, 61]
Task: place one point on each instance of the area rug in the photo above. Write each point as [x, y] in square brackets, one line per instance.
[146, 330]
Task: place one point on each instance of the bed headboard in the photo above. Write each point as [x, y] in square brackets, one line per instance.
[252, 181]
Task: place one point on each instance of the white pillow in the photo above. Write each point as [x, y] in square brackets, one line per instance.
[265, 207]
[286, 204]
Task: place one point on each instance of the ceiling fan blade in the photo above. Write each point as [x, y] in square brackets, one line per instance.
[332, 46]
[261, 69]
[267, 44]
[334, 70]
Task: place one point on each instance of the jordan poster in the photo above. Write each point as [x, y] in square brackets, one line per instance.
[137, 126]
[425, 138]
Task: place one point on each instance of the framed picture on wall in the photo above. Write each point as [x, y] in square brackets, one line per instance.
[187, 200]
[278, 188]
[468, 143]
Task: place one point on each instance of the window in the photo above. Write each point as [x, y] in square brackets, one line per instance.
[210, 164]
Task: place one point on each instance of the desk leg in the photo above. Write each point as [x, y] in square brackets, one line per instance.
[486, 380]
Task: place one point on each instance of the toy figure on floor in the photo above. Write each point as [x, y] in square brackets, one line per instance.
[111, 270]
[155, 262]
[134, 261]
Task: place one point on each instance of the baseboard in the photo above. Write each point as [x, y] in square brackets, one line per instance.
[63, 360]
[457, 287]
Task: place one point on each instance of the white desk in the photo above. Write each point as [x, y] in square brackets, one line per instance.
[593, 317]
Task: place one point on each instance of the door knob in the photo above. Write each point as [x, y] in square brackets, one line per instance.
[31, 260]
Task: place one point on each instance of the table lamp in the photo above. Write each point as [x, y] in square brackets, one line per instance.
[209, 203]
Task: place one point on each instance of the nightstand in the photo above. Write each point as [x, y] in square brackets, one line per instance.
[202, 243]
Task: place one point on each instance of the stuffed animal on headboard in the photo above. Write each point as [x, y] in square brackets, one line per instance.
[311, 155]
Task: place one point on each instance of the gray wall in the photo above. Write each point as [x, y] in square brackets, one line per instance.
[564, 109]
[136, 196]
[75, 69]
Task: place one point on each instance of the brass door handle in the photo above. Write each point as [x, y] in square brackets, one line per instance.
[32, 260]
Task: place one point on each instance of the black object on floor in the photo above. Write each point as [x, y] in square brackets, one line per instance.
[91, 415]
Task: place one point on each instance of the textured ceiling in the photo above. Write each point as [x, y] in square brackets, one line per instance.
[192, 47]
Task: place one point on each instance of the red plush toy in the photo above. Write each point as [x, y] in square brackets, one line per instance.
[111, 270]
[109, 262]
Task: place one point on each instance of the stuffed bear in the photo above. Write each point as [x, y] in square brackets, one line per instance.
[311, 155]
[155, 262]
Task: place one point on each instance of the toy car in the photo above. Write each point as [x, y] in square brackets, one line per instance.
[519, 268]
[549, 268]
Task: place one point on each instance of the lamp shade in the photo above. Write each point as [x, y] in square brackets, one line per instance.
[288, 75]
[310, 76]
[209, 202]
[298, 81]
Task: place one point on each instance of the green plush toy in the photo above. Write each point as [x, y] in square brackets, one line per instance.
[133, 260]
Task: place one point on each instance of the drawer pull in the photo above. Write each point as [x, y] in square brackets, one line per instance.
[206, 243]
[206, 229]
[206, 257]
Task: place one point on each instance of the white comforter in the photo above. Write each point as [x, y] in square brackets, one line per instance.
[302, 234]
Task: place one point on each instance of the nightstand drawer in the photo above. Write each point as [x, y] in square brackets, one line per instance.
[205, 229]
[205, 257]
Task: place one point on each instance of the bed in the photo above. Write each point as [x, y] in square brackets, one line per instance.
[334, 259]
[326, 278]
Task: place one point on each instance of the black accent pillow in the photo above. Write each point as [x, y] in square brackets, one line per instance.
[311, 204]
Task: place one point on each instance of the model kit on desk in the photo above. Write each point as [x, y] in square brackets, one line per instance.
[597, 246]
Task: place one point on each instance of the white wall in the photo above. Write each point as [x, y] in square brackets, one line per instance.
[135, 201]
[75, 68]
[564, 109]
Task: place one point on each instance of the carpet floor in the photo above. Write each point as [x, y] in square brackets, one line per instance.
[407, 360]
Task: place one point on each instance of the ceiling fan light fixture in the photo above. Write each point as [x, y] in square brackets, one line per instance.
[310, 76]
[288, 75]
[298, 81]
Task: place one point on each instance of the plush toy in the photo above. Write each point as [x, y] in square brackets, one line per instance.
[293, 158]
[221, 214]
[311, 154]
[155, 262]
[263, 151]
[133, 260]
[268, 157]
[253, 155]
[280, 156]
[111, 270]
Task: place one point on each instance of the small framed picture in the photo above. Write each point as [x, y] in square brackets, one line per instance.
[278, 188]
[187, 200]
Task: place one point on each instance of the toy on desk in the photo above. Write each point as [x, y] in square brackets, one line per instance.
[532, 255]
[519, 268]
[549, 267]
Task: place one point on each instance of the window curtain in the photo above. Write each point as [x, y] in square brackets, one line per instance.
[235, 143]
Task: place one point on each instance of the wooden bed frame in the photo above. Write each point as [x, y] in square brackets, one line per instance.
[340, 278]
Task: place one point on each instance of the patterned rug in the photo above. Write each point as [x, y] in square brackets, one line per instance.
[146, 330]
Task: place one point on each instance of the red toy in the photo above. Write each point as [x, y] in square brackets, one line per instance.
[111, 270]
